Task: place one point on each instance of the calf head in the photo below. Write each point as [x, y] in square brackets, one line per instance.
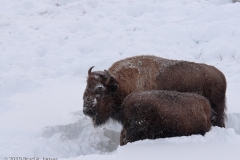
[99, 96]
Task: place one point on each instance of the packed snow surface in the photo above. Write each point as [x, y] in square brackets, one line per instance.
[47, 47]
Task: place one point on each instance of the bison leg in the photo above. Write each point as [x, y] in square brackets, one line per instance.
[218, 113]
[127, 136]
[123, 139]
[132, 134]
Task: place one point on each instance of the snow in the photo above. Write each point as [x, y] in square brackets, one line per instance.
[47, 47]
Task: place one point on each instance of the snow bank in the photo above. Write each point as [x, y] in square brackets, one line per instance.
[75, 138]
[105, 139]
[233, 121]
[81, 138]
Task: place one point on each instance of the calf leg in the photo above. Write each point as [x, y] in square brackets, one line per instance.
[123, 139]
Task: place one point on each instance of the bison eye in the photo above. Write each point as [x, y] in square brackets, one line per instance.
[113, 87]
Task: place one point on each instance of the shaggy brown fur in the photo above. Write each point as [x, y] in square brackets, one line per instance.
[160, 114]
[143, 73]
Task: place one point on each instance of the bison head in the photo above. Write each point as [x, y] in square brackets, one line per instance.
[99, 96]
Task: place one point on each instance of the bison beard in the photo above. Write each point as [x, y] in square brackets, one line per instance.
[144, 73]
[160, 114]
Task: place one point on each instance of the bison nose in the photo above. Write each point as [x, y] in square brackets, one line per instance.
[88, 111]
[85, 110]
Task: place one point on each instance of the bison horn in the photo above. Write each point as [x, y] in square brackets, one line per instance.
[108, 77]
[90, 70]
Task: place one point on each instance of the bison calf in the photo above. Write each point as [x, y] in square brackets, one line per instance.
[159, 114]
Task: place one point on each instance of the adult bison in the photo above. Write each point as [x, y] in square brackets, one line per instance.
[106, 90]
[159, 114]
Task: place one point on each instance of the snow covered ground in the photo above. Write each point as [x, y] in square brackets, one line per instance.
[47, 46]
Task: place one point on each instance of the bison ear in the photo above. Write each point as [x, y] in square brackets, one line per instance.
[113, 87]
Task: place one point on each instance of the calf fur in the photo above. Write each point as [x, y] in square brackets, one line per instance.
[159, 114]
